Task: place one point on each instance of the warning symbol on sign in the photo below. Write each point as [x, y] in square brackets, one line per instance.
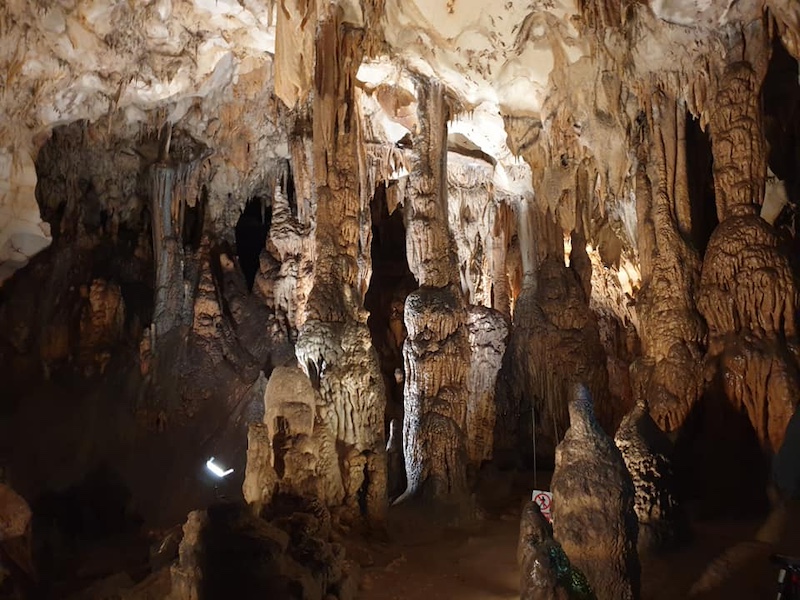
[544, 500]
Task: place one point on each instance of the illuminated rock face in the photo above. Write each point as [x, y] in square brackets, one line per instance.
[22, 232]
[539, 156]
[436, 351]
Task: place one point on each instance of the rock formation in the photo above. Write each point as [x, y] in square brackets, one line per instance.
[16, 559]
[669, 371]
[647, 451]
[488, 332]
[748, 292]
[437, 348]
[545, 571]
[360, 250]
[594, 518]
[288, 556]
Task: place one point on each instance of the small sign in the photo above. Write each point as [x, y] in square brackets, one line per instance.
[545, 502]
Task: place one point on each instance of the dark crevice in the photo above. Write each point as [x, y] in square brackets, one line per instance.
[781, 105]
[290, 191]
[391, 282]
[699, 161]
[279, 443]
[194, 220]
[251, 237]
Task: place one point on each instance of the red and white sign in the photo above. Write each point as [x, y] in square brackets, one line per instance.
[545, 501]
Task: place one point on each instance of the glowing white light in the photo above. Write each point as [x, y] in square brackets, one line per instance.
[567, 248]
[216, 469]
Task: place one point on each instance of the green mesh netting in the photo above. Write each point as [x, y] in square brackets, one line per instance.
[569, 577]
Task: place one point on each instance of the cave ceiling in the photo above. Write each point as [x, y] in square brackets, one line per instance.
[514, 72]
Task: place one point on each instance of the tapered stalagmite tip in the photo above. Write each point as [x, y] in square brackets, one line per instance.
[580, 393]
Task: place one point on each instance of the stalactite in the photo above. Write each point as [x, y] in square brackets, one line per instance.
[287, 273]
[669, 372]
[748, 294]
[174, 300]
[168, 252]
[436, 350]
[480, 220]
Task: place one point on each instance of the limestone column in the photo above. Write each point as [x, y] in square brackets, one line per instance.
[748, 293]
[436, 351]
[334, 346]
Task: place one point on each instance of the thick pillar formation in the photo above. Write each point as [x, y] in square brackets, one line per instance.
[737, 142]
[748, 294]
[488, 333]
[436, 351]
[593, 505]
[333, 345]
[669, 372]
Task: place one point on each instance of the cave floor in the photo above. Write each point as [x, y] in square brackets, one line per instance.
[420, 562]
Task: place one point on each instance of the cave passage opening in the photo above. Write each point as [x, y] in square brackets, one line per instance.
[391, 282]
[780, 95]
[251, 236]
[700, 176]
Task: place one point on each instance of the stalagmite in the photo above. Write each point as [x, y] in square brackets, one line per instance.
[260, 480]
[545, 571]
[593, 505]
[647, 451]
[488, 332]
[436, 350]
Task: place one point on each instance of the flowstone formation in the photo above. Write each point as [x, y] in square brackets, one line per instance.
[594, 516]
[748, 291]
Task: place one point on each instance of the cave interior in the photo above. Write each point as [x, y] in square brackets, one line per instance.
[310, 300]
